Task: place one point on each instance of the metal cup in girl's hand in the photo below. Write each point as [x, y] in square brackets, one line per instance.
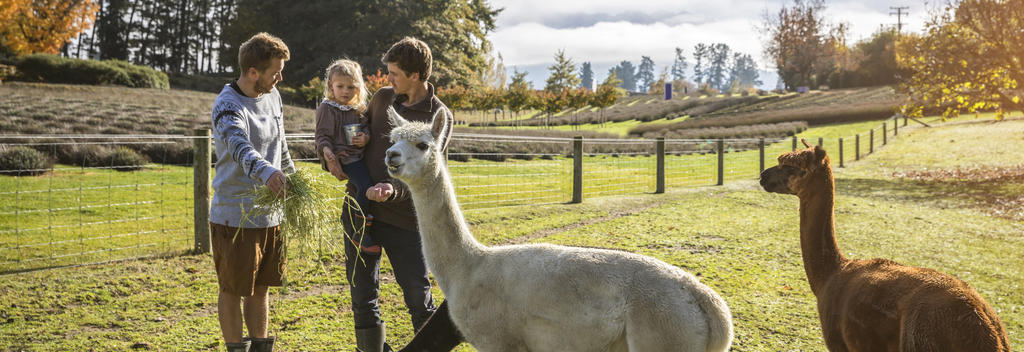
[350, 131]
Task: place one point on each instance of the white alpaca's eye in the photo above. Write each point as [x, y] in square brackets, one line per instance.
[421, 146]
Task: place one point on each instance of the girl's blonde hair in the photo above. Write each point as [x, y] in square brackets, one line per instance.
[350, 69]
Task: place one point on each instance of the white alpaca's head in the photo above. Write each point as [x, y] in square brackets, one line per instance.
[416, 152]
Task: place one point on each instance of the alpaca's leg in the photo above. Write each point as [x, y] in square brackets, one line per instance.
[678, 326]
[438, 335]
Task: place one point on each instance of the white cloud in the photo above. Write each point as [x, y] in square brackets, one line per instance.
[602, 32]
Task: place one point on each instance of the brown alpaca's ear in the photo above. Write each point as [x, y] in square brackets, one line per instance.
[819, 154]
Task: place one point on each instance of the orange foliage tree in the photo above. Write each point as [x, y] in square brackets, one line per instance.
[43, 26]
[375, 82]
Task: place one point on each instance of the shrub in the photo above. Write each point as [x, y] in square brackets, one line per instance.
[88, 155]
[302, 150]
[210, 84]
[169, 153]
[125, 159]
[23, 161]
[6, 72]
[55, 69]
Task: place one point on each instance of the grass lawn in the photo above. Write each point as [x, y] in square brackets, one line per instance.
[738, 239]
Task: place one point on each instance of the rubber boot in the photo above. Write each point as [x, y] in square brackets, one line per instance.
[237, 346]
[262, 344]
[370, 339]
[439, 334]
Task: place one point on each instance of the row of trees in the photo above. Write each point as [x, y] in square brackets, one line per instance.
[716, 67]
[202, 36]
[808, 50]
[561, 91]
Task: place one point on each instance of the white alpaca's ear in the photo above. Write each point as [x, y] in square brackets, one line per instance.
[395, 118]
[439, 123]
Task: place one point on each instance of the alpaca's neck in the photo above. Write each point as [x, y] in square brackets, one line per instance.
[822, 258]
[449, 247]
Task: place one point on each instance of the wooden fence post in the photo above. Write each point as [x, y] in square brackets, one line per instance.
[857, 148]
[721, 162]
[794, 143]
[760, 145]
[840, 151]
[201, 190]
[895, 127]
[885, 133]
[577, 169]
[871, 142]
[659, 148]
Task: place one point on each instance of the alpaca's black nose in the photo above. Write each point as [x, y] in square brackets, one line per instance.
[393, 154]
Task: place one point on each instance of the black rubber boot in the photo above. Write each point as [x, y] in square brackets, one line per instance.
[370, 339]
[262, 344]
[237, 346]
[439, 334]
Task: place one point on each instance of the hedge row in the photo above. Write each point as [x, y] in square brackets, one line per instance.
[55, 69]
[774, 130]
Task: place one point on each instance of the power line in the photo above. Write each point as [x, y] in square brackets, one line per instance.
[900, 11]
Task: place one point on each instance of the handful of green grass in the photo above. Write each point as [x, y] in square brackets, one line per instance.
[312, 209]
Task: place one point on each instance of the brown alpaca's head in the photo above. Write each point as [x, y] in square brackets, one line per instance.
[796, 170]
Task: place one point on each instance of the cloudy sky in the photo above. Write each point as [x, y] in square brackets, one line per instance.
[604, 32]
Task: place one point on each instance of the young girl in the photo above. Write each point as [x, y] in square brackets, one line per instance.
[340, 127]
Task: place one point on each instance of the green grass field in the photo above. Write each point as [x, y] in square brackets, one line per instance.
[738, 239]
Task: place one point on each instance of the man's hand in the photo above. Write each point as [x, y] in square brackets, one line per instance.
[360, 139]
[278, 183]
[380, 192]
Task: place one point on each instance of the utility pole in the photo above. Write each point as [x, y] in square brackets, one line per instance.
[900, 12]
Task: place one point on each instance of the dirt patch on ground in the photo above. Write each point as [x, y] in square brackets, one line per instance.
[997, 190]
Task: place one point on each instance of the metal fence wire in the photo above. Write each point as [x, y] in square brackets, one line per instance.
[117, 197]
[105, 199]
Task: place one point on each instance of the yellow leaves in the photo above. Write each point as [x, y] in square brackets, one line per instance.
[43, 26]
[1015, 100]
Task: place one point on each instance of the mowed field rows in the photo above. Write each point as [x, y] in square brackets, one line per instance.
[920, 201]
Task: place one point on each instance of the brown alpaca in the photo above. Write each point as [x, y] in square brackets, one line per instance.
[877, 304]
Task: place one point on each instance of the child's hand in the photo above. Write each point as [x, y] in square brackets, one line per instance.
[329, 155]
[335, 169]
[360, 139]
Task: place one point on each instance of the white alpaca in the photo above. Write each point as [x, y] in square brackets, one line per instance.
[545, 297]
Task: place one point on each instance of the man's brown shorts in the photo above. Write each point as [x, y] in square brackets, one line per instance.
[254, 258]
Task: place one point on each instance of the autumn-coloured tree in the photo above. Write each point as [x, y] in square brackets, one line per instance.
[576, 99]
[607, 93]
[800, 42]
[970, 59]
[375, 81]
[43, 26]
[519, 95]
[453, 96]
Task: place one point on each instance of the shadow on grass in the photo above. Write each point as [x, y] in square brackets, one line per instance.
[1003, 199]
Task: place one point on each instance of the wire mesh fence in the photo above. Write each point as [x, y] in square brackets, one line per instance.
[107, 198]
[615, 167]
[527, 171]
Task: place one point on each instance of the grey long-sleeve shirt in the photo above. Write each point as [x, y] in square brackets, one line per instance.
[248, 134]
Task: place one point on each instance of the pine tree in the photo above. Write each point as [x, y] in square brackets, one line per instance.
[586, 76]
[563, 74]
[645, 74]
[679, 66]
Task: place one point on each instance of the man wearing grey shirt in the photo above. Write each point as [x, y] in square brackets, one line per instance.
[248, 132]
